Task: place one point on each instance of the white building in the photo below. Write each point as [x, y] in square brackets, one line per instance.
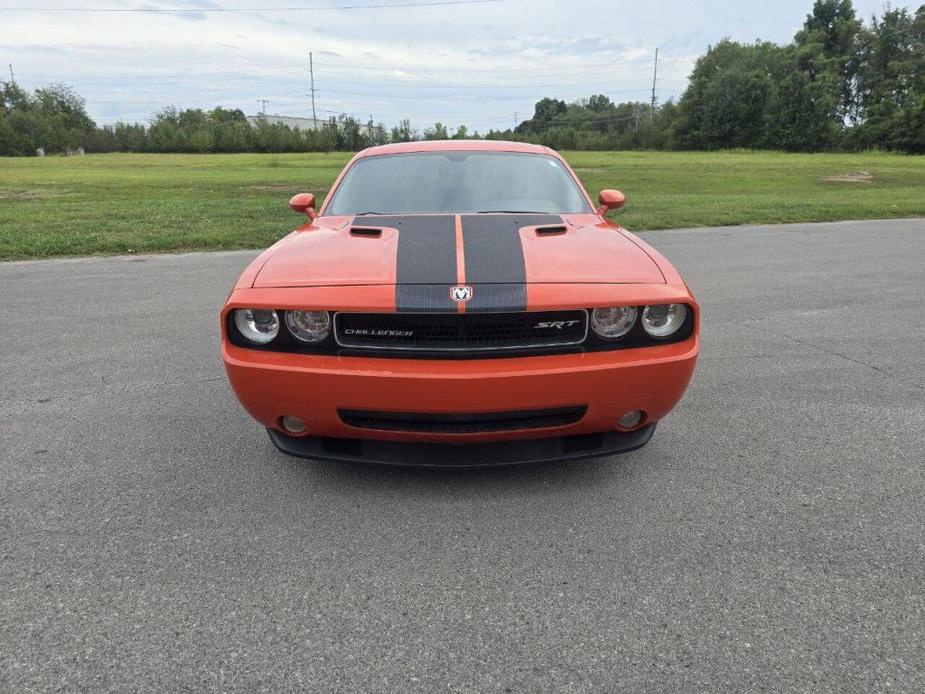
[294, 122]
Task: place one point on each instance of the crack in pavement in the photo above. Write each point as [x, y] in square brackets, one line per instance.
[839, 354]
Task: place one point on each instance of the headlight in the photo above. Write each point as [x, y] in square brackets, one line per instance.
[663, 320]
[614, 322]
[257, 325]
[310, 327]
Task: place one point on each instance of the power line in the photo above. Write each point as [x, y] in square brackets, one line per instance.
[380, 90]
[634, 66]
[507, 87]
[465, 97]
[189, 10]
[146, 116]
[261, 72]
[233, 81]
[197, 77]
[473, 68]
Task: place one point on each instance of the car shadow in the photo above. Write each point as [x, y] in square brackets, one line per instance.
[525, 478]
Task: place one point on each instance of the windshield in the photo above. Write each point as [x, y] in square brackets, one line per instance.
[453, 182]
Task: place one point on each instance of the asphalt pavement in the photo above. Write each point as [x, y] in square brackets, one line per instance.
[771, 537]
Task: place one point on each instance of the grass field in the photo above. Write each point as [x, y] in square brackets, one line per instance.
[123, 203]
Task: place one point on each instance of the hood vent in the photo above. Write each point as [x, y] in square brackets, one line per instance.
[551, 230]
[365, 231]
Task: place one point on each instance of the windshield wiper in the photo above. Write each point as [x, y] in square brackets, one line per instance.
[509, 212]
[363, 214]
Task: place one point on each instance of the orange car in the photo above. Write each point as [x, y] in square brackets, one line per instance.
[457, 304]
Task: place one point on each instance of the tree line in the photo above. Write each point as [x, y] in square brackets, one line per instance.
[840, 84]
[54, 119]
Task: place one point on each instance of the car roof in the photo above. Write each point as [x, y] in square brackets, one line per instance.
[455, 146]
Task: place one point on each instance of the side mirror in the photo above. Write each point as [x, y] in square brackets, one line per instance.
[610, 200]
[303, 203]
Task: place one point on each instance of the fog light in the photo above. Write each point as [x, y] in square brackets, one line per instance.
[293, 425]
[631, 419]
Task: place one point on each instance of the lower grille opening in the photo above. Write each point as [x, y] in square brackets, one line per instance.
[429, 423]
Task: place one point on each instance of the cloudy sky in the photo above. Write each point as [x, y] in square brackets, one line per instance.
[476, 63]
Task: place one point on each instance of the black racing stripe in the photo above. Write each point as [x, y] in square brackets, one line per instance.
[498, 298]
[426, 266]
[425, 298]
[495, 259]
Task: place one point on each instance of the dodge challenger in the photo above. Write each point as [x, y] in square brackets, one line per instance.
[456, 304]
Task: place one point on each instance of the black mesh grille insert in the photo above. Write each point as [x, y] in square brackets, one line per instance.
[437, 332]
[462, 423]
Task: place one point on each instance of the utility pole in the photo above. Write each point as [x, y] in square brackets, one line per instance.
[12, 76]
[515, 119]
[654, 82]
[311, 72]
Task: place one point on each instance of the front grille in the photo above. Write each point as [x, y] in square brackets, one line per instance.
[462, 423]
[439, 332]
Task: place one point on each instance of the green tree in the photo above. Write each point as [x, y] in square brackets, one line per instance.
[826, 49]
[729, 97]
[438, 132]
[65, 105]
[53, 118]
[803, 116]
[13, 97]
[891, 82]
[403, 132]
[545, 113]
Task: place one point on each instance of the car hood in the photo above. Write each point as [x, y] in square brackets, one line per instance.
[446, 250]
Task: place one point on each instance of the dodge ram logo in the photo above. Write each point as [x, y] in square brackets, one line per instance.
[461, 294]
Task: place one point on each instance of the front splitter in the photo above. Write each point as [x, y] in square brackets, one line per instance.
[470, 455]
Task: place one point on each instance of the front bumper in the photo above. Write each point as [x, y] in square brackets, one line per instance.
[313, 388]
[449, 456]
